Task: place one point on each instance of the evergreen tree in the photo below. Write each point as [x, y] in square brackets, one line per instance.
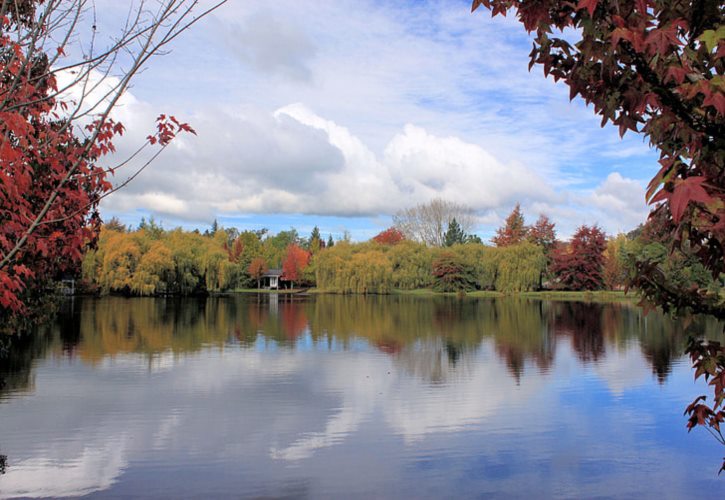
[315, 241]
[330, 242]
[454, 234]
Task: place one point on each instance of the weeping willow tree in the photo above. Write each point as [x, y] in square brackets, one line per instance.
[154, 271]
[483, 261]
[520, 268]
[120, 258]
[411, 263]
[371, 273]
[159, 262]
[347, 268]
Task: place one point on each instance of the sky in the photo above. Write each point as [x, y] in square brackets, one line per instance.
[340, 113]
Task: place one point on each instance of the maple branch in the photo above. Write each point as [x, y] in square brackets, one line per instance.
[669, 98]
[109, 192]
[653, 275]
[147, 49]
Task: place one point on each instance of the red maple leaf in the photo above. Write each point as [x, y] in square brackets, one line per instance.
[686, 191]
[716, 100]
[590, 5]
[659, 40]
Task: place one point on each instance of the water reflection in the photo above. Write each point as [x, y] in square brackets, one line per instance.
[431, 338]
[326, 396]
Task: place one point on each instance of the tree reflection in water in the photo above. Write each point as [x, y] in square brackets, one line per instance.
[432, 337]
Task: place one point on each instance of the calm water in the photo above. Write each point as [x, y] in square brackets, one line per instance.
[343, 397]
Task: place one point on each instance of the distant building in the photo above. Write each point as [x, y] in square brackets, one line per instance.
[271, 279]
[67, 285]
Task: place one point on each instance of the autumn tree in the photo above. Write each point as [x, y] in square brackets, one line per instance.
[428, 222]
[390, 236]
[294, 264]
[59, 83]
[235, 251]
[542, 233]
[579, 267]
[614, 272]
[513, 231]
[257, 268]
[114, 225]
[274, 248]
[451, 273]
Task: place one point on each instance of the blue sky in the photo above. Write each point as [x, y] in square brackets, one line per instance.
[339, 114]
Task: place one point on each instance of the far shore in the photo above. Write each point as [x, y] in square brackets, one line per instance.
[588, 296]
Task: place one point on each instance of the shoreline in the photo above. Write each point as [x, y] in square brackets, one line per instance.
[586, 296]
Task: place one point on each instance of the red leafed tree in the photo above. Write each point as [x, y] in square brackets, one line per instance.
[257, 268]
[235, 251]
[653, 67]
[452, 274]
[542, 233]
[390, 236]
[294, 264]
[513, 231]
[579, 267]
[51, 179]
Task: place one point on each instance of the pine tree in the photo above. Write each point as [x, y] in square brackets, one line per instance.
[454, 234]
[315, 241]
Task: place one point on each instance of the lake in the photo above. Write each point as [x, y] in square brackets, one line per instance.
[354, 397]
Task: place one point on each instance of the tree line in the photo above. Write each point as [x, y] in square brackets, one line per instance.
[152, 261]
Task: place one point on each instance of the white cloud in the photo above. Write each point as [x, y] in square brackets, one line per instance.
[309, 108]
[427, 167]
[295, 161]
[621, 202]
[272, 45]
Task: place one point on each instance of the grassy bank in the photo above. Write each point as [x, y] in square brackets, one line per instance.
[284, 291]
[598, 296]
